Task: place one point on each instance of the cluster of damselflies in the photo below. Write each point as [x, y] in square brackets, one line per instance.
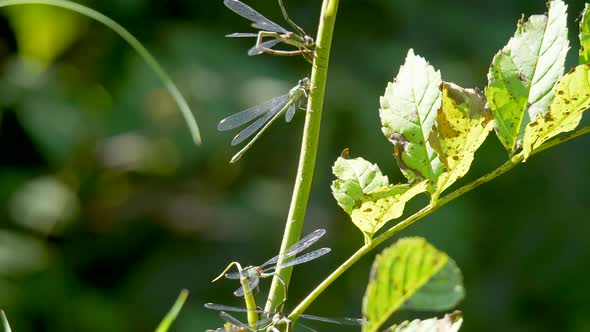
[259, 118]
[252, 275]
[270, 34]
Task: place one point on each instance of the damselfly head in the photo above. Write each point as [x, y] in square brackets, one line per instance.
[304, 83]
[309, 42]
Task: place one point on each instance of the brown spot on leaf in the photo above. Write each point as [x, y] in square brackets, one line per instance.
[345, 153]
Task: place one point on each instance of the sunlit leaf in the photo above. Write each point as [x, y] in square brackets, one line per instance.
[365, 194]
[585, 35]
[5, 324]
[173, 313]
[523, 73]
[443, 292]
[449, 323]
[462, 125]
[408, 111]
[374, 210]
[397, 273]
[356, 177]
[572, 98]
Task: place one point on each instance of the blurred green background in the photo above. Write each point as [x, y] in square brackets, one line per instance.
[107, 209]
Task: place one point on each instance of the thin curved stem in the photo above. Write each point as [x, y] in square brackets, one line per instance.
[307, 158]
[134, 43]
[4, 321]
[173, 313]
[508, 165]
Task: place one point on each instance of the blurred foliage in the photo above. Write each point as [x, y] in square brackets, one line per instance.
[108, 209]
[37, 35]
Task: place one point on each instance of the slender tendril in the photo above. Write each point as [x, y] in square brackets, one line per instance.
[173, 313]
[133, 42]
[293, 24]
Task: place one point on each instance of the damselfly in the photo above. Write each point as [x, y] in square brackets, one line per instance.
[268, 29]
[231, 324]
[264, 114]
[275, 318]
[268, 269]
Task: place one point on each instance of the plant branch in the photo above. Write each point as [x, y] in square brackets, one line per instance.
[307, 158]
[510, 164]
[134, 43]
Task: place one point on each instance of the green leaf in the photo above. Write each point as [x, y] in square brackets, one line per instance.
[443, 292]
[173, 313]
[366, 195]
[449, 323]
[377, 208]
[5, 324]
[408, 111]
[523, 73]
[397, 273]
[571, 100]
[585, 36]
[356, 177]
[462, 125]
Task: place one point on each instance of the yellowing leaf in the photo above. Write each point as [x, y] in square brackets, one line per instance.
[585, 36]
[366, 195]
[441, 293]
[572, 98]
[374, 210]
[397, 273]
[523, 73]
[408, 110]
[462, 125]
[450, 323]
[356, 177]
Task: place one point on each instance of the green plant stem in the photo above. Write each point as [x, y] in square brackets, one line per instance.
[4, 321]
[510, 164]
[173, 313]
[250, 303]
[307, 158]
[134, 43]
